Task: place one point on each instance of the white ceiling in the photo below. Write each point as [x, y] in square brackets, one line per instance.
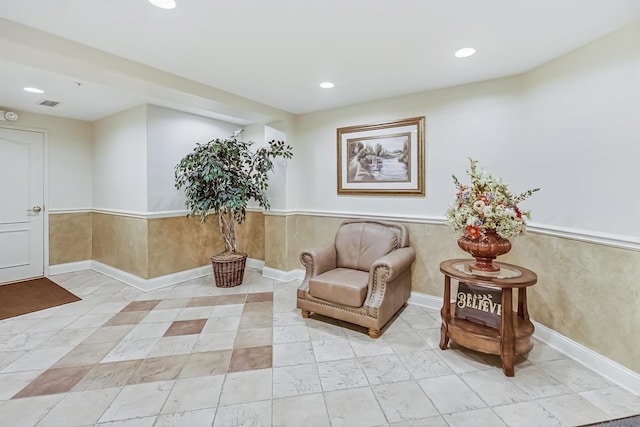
[277, 52]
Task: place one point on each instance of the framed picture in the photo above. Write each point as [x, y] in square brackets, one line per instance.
[385, 159]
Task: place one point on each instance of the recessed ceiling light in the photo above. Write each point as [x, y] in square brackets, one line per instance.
[326, 85]
[33, 90]
[164, 4]
[464, 52]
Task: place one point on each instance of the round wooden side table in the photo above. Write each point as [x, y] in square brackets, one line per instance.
[513, 337]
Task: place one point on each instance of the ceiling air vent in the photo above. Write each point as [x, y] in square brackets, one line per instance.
[48, 103]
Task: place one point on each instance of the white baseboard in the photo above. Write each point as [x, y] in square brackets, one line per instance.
[255, 263]
[139, 283]
[425, 300]
[70, 267]
[613, 371]
[282, 276]
[147, 285]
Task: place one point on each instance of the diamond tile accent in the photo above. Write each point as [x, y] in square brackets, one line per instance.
[141, 305]
[53, 381]
[127, 318]
[185, 327]
[247, 359]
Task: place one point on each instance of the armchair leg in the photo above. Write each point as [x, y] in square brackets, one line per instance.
[374, 333]
[305, 314]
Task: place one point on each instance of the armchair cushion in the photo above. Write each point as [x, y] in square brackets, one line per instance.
[359, 244]
[341, 285]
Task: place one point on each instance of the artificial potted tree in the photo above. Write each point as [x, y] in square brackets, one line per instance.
[220, 177]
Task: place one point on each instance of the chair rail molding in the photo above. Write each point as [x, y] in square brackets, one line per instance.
[589, 236]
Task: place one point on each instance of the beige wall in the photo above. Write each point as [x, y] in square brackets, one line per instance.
[181, 243]
[69, 237]
[147, 248]
[251, 235]
[120, 242]
[276, 240]
[585, 291]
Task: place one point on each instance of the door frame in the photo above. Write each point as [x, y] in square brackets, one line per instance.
[45, 188]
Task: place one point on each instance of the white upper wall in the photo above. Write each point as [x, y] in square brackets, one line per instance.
[581, 124]
[570, 127]
[260, 134]
[474, 120]
[254, 133]
[120, 161]
[172, 135]
[277, 192]
[69, 159]
[136, 152]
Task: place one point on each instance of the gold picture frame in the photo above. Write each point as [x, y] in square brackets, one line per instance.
[382, 159]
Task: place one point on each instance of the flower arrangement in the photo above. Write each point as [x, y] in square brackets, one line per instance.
[487, 205]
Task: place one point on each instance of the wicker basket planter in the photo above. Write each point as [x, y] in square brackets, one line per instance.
[228, 269]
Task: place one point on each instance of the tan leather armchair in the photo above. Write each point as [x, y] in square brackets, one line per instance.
[363, 278]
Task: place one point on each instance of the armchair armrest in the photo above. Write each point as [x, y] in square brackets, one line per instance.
[317, 261]
[395, 262]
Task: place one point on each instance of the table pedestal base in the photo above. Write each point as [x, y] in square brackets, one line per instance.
[513, 338]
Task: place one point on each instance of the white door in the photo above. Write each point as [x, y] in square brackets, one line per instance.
[21, 204]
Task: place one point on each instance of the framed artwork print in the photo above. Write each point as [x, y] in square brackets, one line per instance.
[385, 159]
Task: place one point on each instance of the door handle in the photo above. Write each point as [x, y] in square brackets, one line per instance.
[35, 209]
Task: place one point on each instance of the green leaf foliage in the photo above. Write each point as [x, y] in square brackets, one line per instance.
[222, 175]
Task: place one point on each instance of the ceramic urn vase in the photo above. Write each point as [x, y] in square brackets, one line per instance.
[485, 250]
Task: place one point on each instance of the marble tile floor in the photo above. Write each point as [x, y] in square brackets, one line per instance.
[196, 355]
